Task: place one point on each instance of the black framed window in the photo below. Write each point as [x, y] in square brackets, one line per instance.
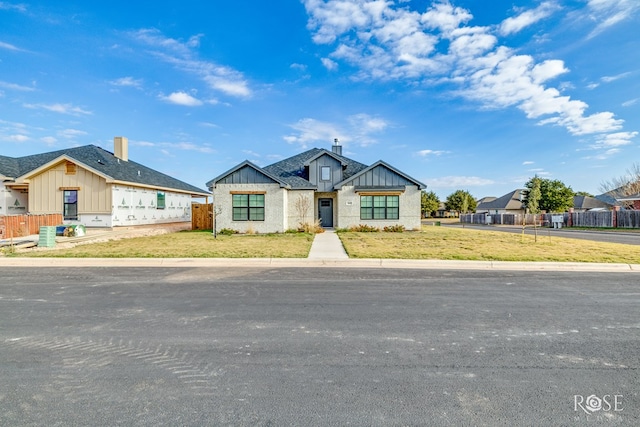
[379, 207]
[70, 204]
[248, 207]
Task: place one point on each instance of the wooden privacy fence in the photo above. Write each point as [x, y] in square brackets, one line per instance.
[202, 216]
[599, 219]
[13, 226]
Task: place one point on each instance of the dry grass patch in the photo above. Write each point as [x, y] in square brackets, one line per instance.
[191, 244]
[465, 244]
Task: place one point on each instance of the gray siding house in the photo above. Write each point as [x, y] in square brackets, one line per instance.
[317, 184]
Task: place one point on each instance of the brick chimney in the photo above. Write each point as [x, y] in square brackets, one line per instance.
[121, 148]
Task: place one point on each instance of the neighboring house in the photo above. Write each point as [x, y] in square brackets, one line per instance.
[91, 186]
[587, 203]
[633, 201]
[315, 185]
[510, 203]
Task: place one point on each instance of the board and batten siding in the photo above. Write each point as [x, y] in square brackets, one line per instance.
[46, 191]
[246, 175]
[315, 168]
[380, 176]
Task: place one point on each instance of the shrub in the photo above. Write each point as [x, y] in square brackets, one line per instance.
[398, 228]
[311, 227]
[227, 232]
[363, 228]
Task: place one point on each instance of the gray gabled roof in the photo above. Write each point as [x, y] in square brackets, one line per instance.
[9, 167]
[509, 201]
[292, 170]
[105, 163]
[586, 202]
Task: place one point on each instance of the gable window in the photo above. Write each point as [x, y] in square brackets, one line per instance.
[379, 207]
[70, 204]
[248, 207]
[160, 200]
[325, 173]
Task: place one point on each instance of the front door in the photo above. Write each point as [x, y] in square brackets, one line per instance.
[325, 212]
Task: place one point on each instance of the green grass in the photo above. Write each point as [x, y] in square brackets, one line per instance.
[467, 244]
[431, 243]
[191, 244]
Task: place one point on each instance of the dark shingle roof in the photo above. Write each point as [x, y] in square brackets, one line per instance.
[106, 163]
[8, 167]
[508, 201]
[292, 171]
[586, 202]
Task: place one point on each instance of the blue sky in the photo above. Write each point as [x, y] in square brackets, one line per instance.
[459, 94]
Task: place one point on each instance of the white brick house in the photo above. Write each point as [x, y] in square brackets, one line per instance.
[315, 185]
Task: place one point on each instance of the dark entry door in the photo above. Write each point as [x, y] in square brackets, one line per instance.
[325, 212]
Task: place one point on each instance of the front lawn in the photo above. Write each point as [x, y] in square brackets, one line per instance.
[468, 244]
[191, 244]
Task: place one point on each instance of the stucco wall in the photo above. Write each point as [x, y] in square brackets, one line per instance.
[276, 209]
[348, 209]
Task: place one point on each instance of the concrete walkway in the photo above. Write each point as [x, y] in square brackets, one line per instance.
[327, 245]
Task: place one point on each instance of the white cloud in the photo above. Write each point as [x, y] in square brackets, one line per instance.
[181, 55]
[608, 13]
[13, 6]
[359, 129]
[426, 153]
[61, 108]
[168, 147]
[8, 46]
[71, 133]
[630, 102]
[329, 64]
[458, 182]
[182, 98]
[49, 140]
[13, 86]
[615, 139]
[527, 162]
[16, 138]
[609, 79]
[310, 130]
[384, 41]
[527, 18]
[127, 82]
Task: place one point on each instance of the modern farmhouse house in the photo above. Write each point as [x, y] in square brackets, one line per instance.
[317, 184]
[91, 186]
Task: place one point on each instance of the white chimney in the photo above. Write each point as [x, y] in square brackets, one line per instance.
[121, 148]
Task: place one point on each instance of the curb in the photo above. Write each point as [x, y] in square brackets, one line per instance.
[318, 263]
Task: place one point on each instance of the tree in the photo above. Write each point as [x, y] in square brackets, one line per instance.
[429, 203]
[460, 201]
[625, 185]
[533, 202]
[555, 196]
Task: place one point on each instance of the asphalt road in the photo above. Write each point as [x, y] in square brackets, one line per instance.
[627, 238]
[317, 347]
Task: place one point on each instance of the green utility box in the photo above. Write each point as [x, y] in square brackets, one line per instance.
[47, 236]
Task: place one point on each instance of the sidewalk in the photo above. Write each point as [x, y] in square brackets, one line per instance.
[327, 245]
